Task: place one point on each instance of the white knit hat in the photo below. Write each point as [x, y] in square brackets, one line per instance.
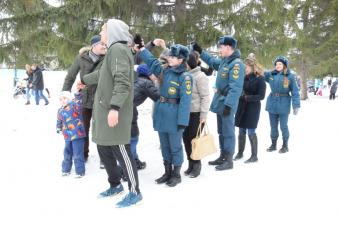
[66, 94]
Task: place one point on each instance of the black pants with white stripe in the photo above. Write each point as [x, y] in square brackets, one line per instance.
[121, 153]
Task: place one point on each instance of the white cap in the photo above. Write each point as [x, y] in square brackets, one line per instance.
[66, 94]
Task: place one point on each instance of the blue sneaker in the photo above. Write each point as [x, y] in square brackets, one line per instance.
[112, 191]
[129, 200]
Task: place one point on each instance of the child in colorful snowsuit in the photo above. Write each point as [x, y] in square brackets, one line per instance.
[70, 123]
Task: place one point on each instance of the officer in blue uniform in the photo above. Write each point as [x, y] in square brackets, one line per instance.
[229, 85]
[172, 110]
[284, 90]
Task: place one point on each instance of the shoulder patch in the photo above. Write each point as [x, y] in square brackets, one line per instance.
[188, 86]
[236, 71]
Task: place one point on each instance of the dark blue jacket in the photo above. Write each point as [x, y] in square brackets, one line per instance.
[229, 81]
[249, 105]
[176, 83]
[284, 90]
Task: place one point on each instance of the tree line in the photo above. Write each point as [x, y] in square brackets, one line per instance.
[306, 31]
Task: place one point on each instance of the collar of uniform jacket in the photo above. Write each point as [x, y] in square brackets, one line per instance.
[235, 55]
[275, 72]
[180, 69]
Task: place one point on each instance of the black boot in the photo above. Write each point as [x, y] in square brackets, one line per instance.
[285, 147]
[188, 171]
[253, 142]
[140, 165]
[175, 177]
[241, 146]
[226, 165]
[167, 174]
[219, 160]
[196, 169]
[273, 146]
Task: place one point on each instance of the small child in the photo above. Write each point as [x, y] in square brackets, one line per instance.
[70, 122]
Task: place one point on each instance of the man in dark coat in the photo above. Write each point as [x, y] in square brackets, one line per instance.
[86, 62]
[38, 84]
[333, 90]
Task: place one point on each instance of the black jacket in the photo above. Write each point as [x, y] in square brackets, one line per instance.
[38, 79]
[143, 88]
[249, 105]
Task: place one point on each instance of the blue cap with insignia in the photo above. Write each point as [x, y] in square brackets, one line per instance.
[179, 51]
[281, 59]
[227, 40]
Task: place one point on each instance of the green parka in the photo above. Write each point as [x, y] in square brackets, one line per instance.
[114, 81]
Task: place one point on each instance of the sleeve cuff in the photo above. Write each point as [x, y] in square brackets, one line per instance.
[115, 107]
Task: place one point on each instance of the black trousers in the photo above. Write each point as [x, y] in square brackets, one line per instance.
[332, 96]
[87, 115]
[190, 133]
[110, 155]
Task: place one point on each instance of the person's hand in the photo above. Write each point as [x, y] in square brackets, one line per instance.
[196, 47]
[80, 86]
[203, 120]
[181, 127]
[159, 42]
[295, 111]
[30, 85]
[226, 111]
[113, 118]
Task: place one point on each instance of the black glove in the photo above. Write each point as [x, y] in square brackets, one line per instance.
[138, 41]
[196, 47]
[226, 111]
[243, 98]
[181, 128]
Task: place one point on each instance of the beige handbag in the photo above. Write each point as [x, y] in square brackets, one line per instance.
[203, 144]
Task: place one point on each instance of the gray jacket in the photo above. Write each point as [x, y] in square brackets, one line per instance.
[200, 92]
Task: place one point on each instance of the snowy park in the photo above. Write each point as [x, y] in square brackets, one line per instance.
[298, 187]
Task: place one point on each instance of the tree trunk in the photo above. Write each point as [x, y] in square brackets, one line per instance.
[303, 79]
[180, 17]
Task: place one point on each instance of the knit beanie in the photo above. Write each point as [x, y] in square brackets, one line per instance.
[143, 69]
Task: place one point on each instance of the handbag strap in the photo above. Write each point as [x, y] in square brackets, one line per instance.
[203, 131]
[198, 134]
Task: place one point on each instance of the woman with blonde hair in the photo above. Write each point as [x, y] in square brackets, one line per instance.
[249, 106]
[29, 80]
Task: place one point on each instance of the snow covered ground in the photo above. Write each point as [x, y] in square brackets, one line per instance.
[299, 187]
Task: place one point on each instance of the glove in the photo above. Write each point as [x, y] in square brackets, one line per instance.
[243, 98]
[181, 128]
[226, 111]
[138, 41]
[196, 47]
[295, 111]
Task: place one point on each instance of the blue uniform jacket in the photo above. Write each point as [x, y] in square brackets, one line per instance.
[279, 100]
[229, 81]
[176, 84]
